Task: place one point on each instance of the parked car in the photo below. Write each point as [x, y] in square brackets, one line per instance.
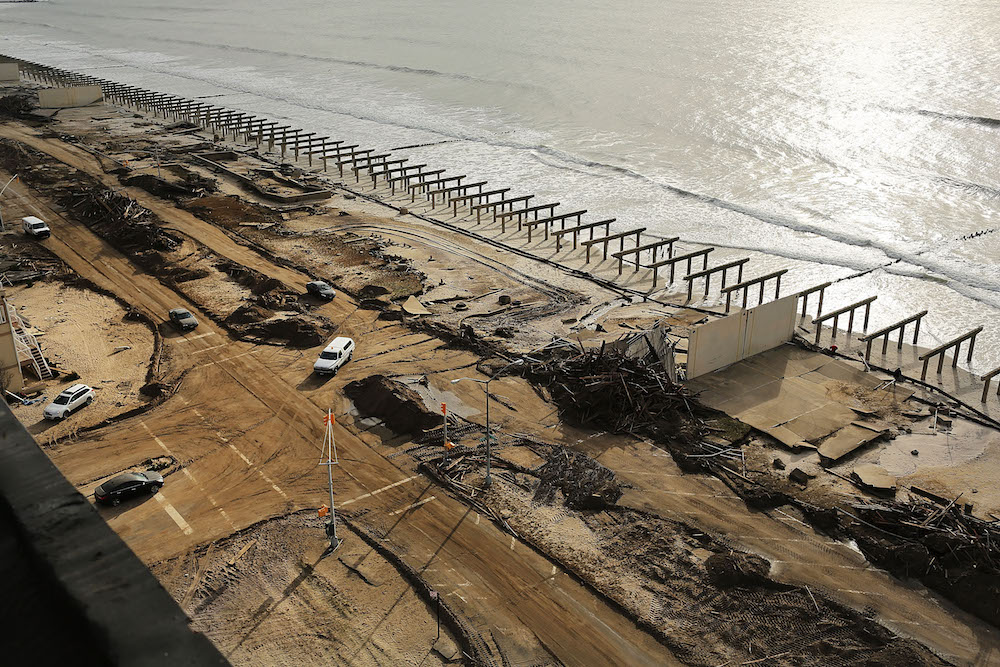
[69, 401]
[333, 356]
[128, 485]
[35, 227]
[183, 319]
[320, 289]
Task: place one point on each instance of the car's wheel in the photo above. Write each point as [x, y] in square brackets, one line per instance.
[90, 399]
[115, 502]
[153, 488]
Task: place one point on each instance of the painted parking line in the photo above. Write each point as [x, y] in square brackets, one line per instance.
[378, 491]
[174, 514]
[191, 477]
[219, 361]
[257, 470]
[206, 349]
[413, 506]
[188, 339]
[208, 495]
[158, 441]
[245, 459]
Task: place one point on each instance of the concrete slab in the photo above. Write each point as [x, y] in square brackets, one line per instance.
[796, 396]
[874, 478]
[845, 441]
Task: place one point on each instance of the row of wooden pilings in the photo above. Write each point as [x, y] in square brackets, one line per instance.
[414, 179]
[953, 346]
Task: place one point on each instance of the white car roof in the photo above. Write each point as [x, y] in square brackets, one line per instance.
[74, 388]
[32, 220]
[338, 343]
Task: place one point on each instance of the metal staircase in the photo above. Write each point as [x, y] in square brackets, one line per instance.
[26, 345]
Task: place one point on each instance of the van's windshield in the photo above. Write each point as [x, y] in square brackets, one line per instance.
[61, 399]
[329, 355]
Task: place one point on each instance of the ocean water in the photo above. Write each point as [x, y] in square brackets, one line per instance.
[854, 141]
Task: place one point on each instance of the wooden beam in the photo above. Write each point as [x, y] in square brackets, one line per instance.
[941, 349]
[707, 274]
[654, 246]
[619, 236]
[747, 284]
[885, 331]
[986, 382]
[672, 263]
[867, 303]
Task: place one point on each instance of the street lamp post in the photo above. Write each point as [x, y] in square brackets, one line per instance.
[489, 435]
[2, 190]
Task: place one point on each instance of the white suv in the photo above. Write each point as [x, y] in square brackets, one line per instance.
[34, 227]
[334, 355]
[69, 401]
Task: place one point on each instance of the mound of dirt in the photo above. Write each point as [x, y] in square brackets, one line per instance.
[244, 275]
[737, 570]
[296, 330]
[160, 187]
[15, 157]
[230, 211]
[372, 291]
[393, 402]
[249, 313]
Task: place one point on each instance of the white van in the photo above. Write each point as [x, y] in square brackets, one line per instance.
[34, 227]
[334, 355]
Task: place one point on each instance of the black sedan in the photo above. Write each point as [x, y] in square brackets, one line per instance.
[183, 319]
[320, 289]
[128, 485]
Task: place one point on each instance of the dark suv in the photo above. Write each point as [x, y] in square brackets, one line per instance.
[128, 485]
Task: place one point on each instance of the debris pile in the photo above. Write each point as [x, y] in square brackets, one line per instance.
[20, 106]
[618, 393]
[17, 158]
[401, 408]
[120, 220]
[585, 483]
[949, 550]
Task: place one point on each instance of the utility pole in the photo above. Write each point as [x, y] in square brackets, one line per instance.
[330, 452]
[447, 445]
[489, 438]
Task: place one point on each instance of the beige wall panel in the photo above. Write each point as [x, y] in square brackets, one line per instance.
[8, 72]
[64, 98]
[769, 325]
[715, 345]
